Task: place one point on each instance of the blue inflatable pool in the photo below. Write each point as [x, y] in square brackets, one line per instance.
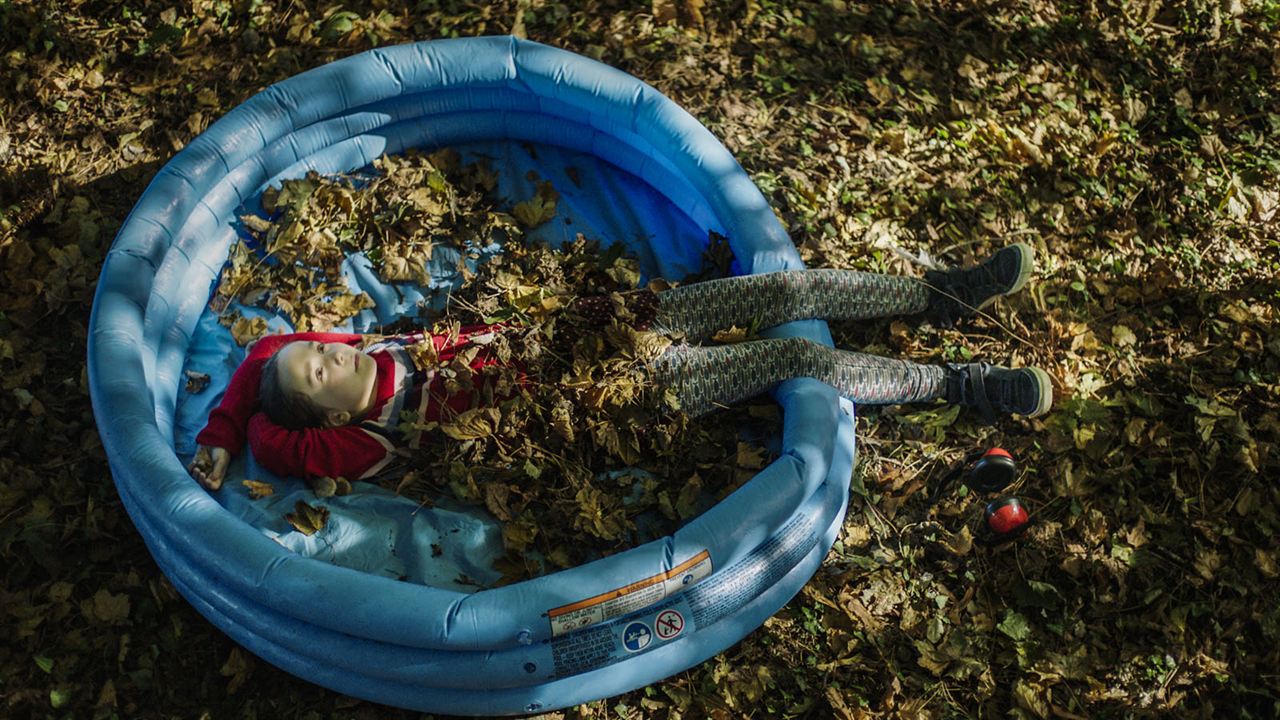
[589, 632]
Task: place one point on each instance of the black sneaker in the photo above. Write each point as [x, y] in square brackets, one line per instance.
[994, 389]
[961, 292]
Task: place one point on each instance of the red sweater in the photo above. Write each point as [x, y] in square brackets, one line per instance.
[353, 451]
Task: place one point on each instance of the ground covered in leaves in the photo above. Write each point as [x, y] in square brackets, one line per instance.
[1136, 145]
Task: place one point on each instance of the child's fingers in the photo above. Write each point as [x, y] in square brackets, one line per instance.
[208, 480]
[198, 461]
[209, 467]
[218, 473]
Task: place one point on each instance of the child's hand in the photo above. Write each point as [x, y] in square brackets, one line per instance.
[209, 466]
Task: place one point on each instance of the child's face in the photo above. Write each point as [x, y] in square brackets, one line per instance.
[338, 378]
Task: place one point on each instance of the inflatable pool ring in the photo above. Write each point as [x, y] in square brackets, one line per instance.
[592, 631]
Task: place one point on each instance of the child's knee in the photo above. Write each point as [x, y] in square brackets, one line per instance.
[808, 357]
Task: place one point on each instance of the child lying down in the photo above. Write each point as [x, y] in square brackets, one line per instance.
[319, 405]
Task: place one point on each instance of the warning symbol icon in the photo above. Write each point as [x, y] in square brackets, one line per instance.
[669, 624]
[636, 637]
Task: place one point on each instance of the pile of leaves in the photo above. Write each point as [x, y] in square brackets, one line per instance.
[566, 442]
[293, 263]
[584, 456]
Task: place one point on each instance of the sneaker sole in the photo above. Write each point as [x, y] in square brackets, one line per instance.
[1046, 391]
[1028, 257]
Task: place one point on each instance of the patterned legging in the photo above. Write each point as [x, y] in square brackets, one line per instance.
[706, 377]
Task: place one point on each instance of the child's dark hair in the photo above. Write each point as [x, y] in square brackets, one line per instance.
[292, 410]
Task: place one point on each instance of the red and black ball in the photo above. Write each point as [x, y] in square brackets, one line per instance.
[994, 471]
[1006, 518]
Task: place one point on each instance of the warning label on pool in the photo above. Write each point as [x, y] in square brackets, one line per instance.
[669, 624]
[585, 651]
[746, 579]
[630, 598]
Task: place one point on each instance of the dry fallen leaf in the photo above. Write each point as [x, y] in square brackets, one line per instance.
[538, 209]
[731, 335]
[196, 382]
[245, 330]
[472, 424]
[258, 489]
[307, 519]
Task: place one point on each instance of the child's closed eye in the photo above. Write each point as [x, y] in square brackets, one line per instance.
[320, 370]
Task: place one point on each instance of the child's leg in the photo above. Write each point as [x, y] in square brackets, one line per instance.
[705, 378]
[700, 309]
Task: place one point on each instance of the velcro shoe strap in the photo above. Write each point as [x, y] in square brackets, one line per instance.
[977, 381]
